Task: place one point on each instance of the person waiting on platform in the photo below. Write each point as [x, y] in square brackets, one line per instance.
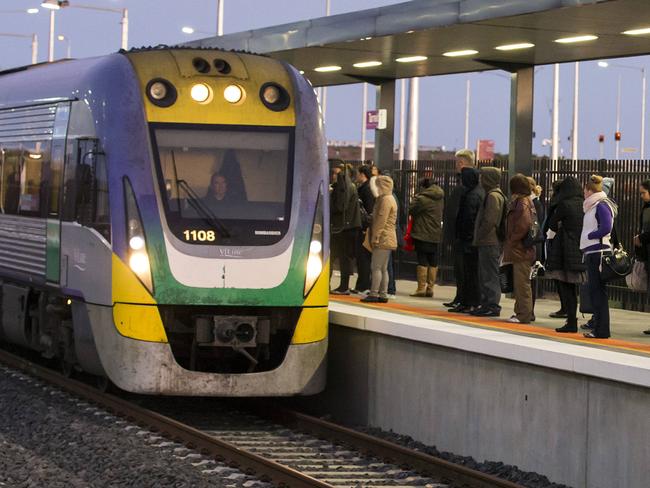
[383, 239]
[540, 211]
[552, 205]
[426, 211]
[564, 262]
[345, 223]
[488, 241]
[595, 242]
[642, 239]
[469, 293]
[464, 158]
[520, 217]
[367, 203]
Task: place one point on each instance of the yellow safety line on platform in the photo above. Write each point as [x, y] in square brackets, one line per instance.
[494, 324]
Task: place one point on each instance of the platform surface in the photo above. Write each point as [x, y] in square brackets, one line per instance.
[625, 357]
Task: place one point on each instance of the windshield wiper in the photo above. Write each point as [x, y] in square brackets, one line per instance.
[204, 212]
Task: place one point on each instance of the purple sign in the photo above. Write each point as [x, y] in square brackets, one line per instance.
[372, 119]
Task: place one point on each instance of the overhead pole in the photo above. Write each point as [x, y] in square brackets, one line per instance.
[467, 101]
[412, 123]
[576, 103]
[34, 48]
[50, 46]
[402, 119]
[363, 121]
[220, 17]
[555, 125]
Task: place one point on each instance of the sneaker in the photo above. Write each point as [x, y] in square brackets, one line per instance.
[391, 296]
[486, 312]
[371, 299]
[646, 332]
[451, 304]
[354, 291]
[513, 320]
[591, 335]
[383, 300]
[589, 325]
[338, 291]
[460, 309]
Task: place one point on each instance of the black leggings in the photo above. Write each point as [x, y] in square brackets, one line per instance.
[569, 297]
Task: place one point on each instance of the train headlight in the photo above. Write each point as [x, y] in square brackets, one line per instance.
[314, 266]
[161, 92]
[274, 97]
[201, 93]
[233, 94]
[137, 249]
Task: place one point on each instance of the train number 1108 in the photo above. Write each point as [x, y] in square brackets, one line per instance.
[200, 235]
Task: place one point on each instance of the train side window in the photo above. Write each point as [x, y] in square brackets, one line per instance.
[21, 178]
[86, 187]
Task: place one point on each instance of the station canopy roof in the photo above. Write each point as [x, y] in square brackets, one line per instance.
[432, 27]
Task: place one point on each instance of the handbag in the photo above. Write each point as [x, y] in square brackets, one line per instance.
[616, 265]
[637, 280]
[409, 245]
[505, 278]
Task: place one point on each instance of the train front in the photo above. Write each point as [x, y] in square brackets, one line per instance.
[221, 286]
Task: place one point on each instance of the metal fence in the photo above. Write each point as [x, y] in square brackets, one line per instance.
[627, 174]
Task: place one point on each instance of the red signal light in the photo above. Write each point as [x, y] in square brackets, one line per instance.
[601, 138]
[617, 136]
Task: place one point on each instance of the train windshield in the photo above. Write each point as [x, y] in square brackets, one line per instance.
[225, 186]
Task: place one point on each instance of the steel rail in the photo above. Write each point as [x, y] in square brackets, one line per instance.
[248, 462]
[451, 473]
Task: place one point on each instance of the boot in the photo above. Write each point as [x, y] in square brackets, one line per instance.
[431, 280]
[421, 272]
[570, 326]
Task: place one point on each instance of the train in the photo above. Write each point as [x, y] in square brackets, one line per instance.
[164, 217]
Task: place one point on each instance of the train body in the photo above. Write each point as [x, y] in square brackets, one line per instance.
[163, 221]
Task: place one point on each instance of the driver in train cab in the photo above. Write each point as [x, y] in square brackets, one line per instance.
[217, 195]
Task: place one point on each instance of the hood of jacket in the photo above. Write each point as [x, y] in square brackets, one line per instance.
[384, 185]
[490, 178]
[570, 188]
[434, 192]
[469, 177]
[519, 185]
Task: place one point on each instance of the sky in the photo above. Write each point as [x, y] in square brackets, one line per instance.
[442, 98]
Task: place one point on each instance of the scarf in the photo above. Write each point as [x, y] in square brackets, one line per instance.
[593, 200]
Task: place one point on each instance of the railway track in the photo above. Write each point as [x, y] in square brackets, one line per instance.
[283, 447]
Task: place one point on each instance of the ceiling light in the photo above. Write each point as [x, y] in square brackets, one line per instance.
[32, 10]
[411, 59]
[568, 40]
[603, 64]
[464, 52]
[513, 47]
[188, 30]
[325, 69]
[367, 64]
[637, 32]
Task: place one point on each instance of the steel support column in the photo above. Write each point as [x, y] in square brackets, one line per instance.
[384, 138]
[521, 121]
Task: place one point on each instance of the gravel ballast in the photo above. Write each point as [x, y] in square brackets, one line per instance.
[51, 439]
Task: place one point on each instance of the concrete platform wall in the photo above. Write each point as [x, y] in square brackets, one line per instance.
[577, 430]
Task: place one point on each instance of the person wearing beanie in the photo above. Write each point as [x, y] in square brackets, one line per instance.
[464, 159]
[426, 211]
[520, 218]
[595, 241]
[564, 259]
[488, 241]
[367, 203]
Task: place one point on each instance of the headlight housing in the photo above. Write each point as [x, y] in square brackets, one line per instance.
[274, 97]
[314, 265]
[137, 243]
[161, 92]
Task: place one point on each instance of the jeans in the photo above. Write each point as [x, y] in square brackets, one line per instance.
[569, 298]
[379, 267]
[392, 287]
[488, 274]
[458, 270]
[470, 293]
[598, 294]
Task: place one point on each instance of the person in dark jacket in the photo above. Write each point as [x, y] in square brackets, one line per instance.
[564, 259]
[540, 212]
[552, 205]
[464, 159]
[470, 204]
[345, 224]
[426, 211]
[488, 242]
[367, 202]
[642, 239]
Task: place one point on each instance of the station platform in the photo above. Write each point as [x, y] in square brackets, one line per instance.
[551, 403]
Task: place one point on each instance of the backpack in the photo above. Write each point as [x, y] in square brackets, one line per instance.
[501, 227]
[534, 235]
